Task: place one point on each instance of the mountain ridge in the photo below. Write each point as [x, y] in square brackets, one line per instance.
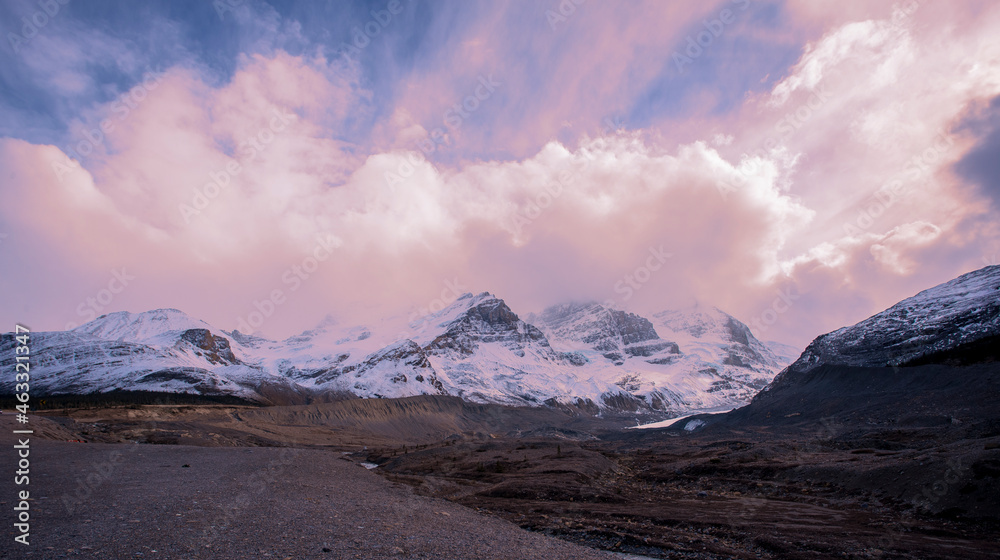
[476, 348]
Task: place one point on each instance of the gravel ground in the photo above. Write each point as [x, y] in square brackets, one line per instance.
[177, 502]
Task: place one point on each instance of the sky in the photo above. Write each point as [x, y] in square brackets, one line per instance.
[800, 165]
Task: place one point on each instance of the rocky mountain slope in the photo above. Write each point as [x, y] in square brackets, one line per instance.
[963, 313]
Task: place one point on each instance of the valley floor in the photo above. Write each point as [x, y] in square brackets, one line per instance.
[457, 480]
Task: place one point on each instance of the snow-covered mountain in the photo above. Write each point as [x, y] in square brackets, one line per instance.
[152, 327]
[684, 359]
[191, 360]
[961, 314]
[718, 336]
[581, 355]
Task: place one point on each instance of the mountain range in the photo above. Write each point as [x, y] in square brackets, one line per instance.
[580, 356]
[583, 356]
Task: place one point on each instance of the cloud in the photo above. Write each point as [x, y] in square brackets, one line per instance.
[891, 249]
[845, 178]
[617, 199]
[873, 138]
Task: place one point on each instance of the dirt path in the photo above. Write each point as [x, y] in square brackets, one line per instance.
[177, 502]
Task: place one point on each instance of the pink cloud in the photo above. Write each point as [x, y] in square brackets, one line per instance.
[811, 189]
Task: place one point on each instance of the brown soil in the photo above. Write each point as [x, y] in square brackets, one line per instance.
[694, 497]
[927, 489]
[346, 424]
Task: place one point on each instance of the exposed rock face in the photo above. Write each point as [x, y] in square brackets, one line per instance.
[615, 334]
[657, 358]
[489, 321]
[216, 347]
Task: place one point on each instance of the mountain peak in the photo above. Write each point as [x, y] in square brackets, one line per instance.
[328, 321]
[717, 337]
[140, 327]
[696, 321]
